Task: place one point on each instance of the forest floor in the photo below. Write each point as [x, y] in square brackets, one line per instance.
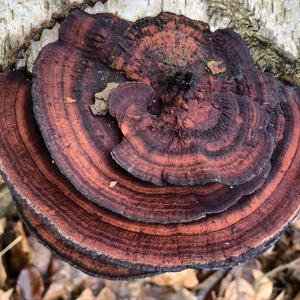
[29, 271]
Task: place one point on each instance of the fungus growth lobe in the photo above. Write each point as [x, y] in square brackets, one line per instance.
[150, 146]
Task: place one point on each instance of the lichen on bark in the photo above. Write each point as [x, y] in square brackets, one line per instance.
[266, 55]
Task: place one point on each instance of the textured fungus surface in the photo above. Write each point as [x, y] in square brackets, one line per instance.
[89, 150]
[196, 103]
[213, 137]
[34, 180]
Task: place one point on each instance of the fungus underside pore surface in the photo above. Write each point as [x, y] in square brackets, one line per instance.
[195, 163]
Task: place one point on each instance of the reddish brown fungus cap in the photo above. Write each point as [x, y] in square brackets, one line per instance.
[36, 184]
[58, 213]
[81, 145]
[213, 103]
[217, 137]
[171, 52]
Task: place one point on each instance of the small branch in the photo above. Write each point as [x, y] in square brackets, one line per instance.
[208, 284]
[273, 272]
[11, 245]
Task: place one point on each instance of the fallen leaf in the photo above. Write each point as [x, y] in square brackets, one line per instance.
[113, 184]
[3, 275]
[184, 279]
[106, 294]
[104, 94]
[187, 295]
[296, 224]
[216, 67]
[245, 270]
[5, 201]
[270, 252]
[41, 255]
[21, 255]
[207, 285]
[57, 290]
[239, 289]
[70, 100]
[2, 225]
[30, 284]
[264, 286]
[100, 107]
[86, 294]
[135, 286]
[65, 281]
[6, 295]
[280, 296]
[224, 284]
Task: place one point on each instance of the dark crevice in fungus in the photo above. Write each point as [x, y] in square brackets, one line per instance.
[190, 160]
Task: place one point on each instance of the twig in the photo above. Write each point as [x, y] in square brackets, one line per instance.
[276, 270]
[208, 284]
[11, 245]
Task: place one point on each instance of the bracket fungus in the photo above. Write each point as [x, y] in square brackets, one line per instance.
[192, 158]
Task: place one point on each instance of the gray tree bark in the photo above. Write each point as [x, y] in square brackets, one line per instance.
[270, 28]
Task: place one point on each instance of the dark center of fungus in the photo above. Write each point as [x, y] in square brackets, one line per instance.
[180, 81]
[173, 98]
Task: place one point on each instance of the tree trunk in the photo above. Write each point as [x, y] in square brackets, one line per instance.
[270, 28]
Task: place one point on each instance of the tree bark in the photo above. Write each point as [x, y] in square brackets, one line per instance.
[270, 28]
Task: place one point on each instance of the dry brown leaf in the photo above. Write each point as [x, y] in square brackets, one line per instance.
[296, 224]
[280, 296]
[6, 295]
[86, 294]
[30, 284]
[5, 202]
[21, 255]
[70, 100]
[64, 280]
[3, 275]
[136, 287]
[264, 286]
[216, 67]
[104, 94]
[245, 270]
[100, 107]
[239, 289]
[106, 294]
[2, 225]
[224, 283]
[41, 255]
[57, 290]
[207, 285]
[184, 279]
[187, 295]
[269, 252]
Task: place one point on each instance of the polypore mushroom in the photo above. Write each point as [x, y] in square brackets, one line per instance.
[36, 184]
[138, 191]
[199, 138]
